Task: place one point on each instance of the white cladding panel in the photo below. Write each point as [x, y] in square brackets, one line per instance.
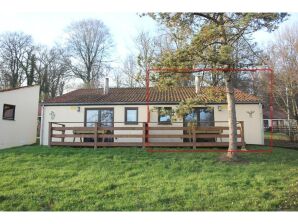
[21, 130]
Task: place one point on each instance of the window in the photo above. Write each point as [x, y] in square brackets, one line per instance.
[266, 124]
[102, 116]
[201, 116]
[131, 115]
[164, 115]
[8, 112]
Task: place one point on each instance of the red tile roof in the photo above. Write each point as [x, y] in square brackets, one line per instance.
[138, 96]
[277, 114]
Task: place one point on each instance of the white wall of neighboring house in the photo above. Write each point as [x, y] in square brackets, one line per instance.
[280, 122]
[251, 114]
[21, 130]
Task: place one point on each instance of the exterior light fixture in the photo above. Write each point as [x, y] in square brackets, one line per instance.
[78, 109]
[52, 115]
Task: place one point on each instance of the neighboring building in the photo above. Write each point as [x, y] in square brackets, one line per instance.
[38, 122]
[126, 107]
[18, 116]
[279, 120]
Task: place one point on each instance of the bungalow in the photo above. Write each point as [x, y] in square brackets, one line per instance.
[119, 117]
[18, 116]
[279, 122]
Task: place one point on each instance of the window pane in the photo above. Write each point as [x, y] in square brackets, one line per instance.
[106, 118]
[165, 115]
[8, 112]
[206, 117]
[131, 115]
[92, 116]
[165, 118]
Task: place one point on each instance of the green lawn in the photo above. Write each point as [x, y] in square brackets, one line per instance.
[41, 178]
[276, 136]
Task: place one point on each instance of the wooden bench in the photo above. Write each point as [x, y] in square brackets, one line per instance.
[76, 132]
[218, 132]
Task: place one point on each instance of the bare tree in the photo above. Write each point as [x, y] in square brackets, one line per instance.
[52, 71]
[132, 77]
[148, 52]
[89, 44]
[135, 64]
[118, 78]
[283, 58]
[28, 65]
[14, 50]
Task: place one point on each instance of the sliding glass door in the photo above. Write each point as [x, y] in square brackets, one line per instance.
[201, 117]
[104, 118]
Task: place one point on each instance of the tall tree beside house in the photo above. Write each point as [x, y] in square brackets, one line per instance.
[282, 54]
[16, 59]
[213, 42]
[177, 54]
[89, 43]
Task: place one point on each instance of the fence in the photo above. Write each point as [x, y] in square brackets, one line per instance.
[119, 134]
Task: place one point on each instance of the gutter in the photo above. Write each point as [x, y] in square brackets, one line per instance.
[131, 103]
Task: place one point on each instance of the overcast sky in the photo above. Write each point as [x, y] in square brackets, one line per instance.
[46, 20]
[48, 27]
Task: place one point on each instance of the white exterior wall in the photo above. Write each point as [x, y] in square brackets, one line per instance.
[22, 130]
[253, 126]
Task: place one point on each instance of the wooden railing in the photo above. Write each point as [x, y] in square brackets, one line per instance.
[141, 135]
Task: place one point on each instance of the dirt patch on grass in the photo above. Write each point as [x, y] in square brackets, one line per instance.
[282, 143]
[291, 201]
[237, 159]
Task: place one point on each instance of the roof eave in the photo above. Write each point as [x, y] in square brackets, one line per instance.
[135, 103]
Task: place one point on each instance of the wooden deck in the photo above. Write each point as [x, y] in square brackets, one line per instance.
[141, 135]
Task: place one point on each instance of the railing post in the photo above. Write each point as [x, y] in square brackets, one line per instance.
[63, 132]
[194, 139]
[95, 135]
[146, 132]
[144, 135]
[242, 135]
[50, 135]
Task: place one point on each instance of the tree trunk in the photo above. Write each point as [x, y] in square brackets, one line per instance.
[232, 120]
[30, 71]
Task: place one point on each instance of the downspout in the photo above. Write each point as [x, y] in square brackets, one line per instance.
[41, 126]
[262, 123]
[288, 112]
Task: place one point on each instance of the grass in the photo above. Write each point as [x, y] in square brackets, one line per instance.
[276, 136]
[44, 179]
